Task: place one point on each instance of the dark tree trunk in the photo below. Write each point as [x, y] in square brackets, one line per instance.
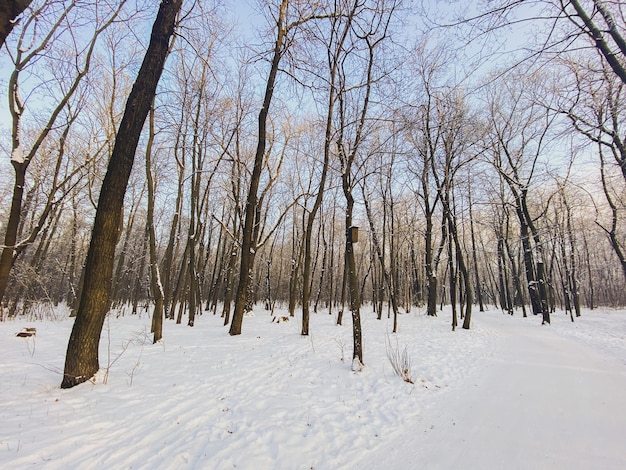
[504, 291]
[430, 262]
[516, 267]
[248, 243]
[9, 253]
[155, 274]
[228, 283]
[452, 279]
[352, 280]
[81, 361]
[541, 278]
[9, 11]
[529, 265]
[296, 256]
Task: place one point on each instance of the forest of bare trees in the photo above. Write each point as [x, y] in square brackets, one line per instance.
[361, 156]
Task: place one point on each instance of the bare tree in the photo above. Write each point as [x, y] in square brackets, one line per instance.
[81, 361]
[288, 18]
[562, 25]
[595, 104]
[339, 29]
[518, 134]
[603, 23]
[424, 133]
[369, 29]
[44, 27]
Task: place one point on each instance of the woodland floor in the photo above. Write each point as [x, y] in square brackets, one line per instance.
[507, 394]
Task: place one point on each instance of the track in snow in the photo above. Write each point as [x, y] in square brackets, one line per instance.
[543, 400]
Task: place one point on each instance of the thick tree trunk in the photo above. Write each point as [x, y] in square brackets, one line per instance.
[529, 266]
[541, 280]
[81, 361]
[9, 11]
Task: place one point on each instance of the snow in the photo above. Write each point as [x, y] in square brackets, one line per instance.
[543, 400]
[17, 155]
[509, 393]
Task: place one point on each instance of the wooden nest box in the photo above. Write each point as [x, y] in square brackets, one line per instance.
[353, 234]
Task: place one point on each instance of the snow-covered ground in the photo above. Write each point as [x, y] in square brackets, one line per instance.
[506, 394]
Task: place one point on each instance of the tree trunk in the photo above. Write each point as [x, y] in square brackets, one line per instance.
[9, 254]
[306, 267]
[529, 266]
[9, 11]
[352, 280]
[503, 282]
[296, 256]
[81, 361]
[248, 244]
[452, 278]
[168, 259]
[516, 267]
[155, 274]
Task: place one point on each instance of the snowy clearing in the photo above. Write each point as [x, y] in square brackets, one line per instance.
[508, 393]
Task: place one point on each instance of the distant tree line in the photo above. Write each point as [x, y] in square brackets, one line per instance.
[254, 166]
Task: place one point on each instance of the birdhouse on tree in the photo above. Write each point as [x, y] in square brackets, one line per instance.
[353, 234]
